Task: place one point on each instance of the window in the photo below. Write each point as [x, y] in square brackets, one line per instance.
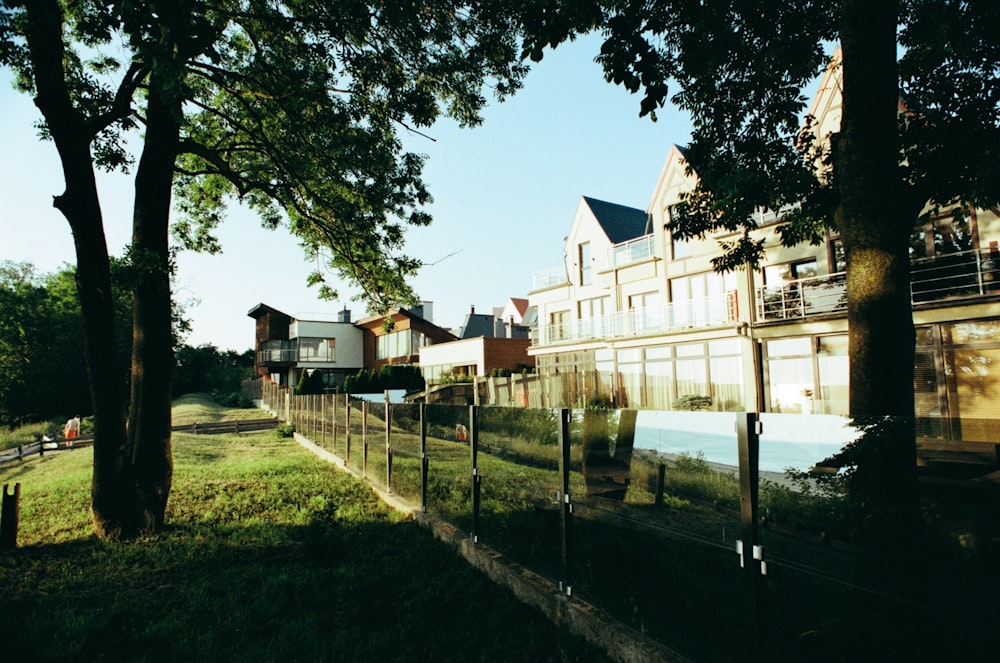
[583, 254]
[700, 299]
[558, 325]
[838, 256]
[775, 275]
[679, 248]
[590, 313]
[808, 375]
[317, 349]
[394, 344]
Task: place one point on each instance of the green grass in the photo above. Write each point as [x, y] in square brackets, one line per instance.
[201, 409]
[270, 554]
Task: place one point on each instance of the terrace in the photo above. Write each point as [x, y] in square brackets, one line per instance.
[675, 316]
[955, 276]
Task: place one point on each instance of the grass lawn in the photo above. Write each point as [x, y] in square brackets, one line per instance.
[270, 555]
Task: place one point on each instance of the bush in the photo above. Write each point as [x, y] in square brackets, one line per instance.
[235, 399]
[284, 430]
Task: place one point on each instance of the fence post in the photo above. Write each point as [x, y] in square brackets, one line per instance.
[364, 438]
[476, 478]
[661, 475]
[423, 457]
[10, 513]
[388, 444]
[566, 583]
[749, 548]
[347, 427]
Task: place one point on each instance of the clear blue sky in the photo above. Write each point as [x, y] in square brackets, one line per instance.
[504, 198]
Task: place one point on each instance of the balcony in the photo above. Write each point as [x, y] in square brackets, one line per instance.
[955, 276]
[549, 278]
[676, 316]
[630, 252]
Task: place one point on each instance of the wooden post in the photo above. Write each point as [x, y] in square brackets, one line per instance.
[661, 473]
[10, 514]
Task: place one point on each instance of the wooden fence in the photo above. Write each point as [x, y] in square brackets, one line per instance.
[42, 447]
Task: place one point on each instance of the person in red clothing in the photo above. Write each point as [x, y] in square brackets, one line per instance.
[72, 429]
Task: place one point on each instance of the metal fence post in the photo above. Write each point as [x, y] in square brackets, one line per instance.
[476, 479]
[566, 583]
[388, 444]
[364, 438]
[423, 457]
[749, 547]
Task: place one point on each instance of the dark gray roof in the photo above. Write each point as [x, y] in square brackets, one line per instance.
[620, 223]
[478, 324]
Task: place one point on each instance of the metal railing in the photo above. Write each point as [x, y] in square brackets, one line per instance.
[548, 278]
[966, 274]
[632, 251]
[693, 313]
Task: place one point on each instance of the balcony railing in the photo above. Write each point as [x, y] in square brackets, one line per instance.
[632, 251]
[290, 352]
[967, 274]
[549, 278]
[694, 313]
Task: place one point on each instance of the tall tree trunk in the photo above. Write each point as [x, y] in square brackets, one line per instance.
[152, 338]
[875, 226]
[112, 488]
[875, 221]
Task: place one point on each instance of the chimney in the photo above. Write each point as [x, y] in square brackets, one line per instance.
[344, 316]
[472, 310]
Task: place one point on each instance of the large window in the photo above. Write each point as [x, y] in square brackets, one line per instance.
[402, 343]
[656, 377]
[317, 349]
[808, 375]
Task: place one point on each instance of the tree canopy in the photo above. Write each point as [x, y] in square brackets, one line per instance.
[292, 107]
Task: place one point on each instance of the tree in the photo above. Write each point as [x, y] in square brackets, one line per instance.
[293, 107]
[42, 368]
[207, 369]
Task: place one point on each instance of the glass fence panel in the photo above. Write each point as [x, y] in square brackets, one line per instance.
[406, 461]
[449, 464]
[898, 548]
[351, 418]
[656, 516]
[376, 468]
[520, 512]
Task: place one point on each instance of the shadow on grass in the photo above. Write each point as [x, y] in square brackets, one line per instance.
[322, 591]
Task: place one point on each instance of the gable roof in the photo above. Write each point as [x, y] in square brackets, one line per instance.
[620, 223]
[478, 324]
[263, 309]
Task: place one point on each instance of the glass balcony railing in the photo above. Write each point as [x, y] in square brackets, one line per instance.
[703, 312]
[549, 278]
[967, 274]
[630, 252]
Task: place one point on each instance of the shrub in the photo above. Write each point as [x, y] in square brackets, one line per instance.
[284, 430]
